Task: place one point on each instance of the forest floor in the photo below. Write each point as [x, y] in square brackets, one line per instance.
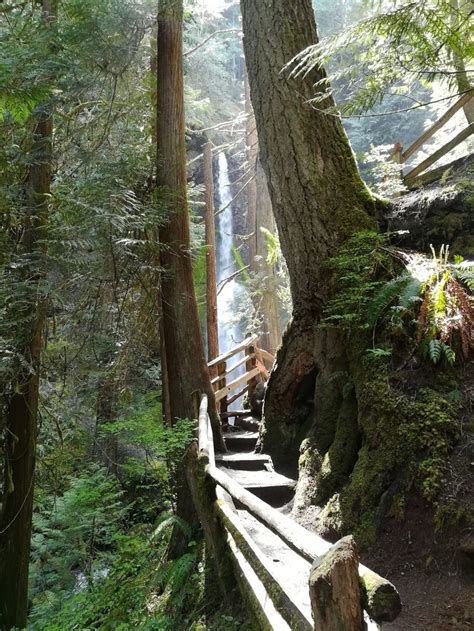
[425, 567]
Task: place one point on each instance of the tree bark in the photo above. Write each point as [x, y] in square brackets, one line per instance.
[270, 337]
[211, 276]
[186, 364]
[318, 199]
[260, 215]
[165, 395]
[251, 148]
[462, 78]
[21, 413]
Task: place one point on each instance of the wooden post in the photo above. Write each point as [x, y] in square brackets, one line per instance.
[334, 589]
[250, 364]
[221, 371]
[212, 323]
[396, 154]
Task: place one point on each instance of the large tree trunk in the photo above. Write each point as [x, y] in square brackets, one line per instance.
[186, 364]
[22, 407]
[318, 200]
[155, 236]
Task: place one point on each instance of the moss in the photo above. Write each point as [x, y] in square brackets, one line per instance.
[399, 428]
[449, 515]
[339, 460]
[409, 433]
[366, 532]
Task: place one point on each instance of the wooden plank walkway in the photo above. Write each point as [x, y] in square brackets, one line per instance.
[276, 561]
[255, 472]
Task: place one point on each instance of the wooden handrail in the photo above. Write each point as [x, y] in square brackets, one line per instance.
[204, 437]
[463, 135]
[382, 597]
[436, 126]
[232, 368]
[237, 349]
[263, 567]
[400, 156]
[210, 444]
[223, 392]
[266, 355]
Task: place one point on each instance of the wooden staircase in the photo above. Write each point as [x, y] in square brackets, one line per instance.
[271, 555]
[253, 471]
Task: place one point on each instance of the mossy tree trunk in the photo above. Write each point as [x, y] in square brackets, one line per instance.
[318, 199]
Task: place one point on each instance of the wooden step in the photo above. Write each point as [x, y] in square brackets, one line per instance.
[241, 440]
[245, 461]
[271, 487]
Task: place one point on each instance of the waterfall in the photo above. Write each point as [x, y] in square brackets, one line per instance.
[229, 298]
[230, 332]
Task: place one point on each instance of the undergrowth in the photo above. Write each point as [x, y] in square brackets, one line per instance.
[99, 541]
[421, 303]
[409, 322]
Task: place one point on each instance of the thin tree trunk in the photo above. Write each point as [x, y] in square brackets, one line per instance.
[251, 144]
[186, 363]
[318, 200]
[165, 393]
[106, 413]
[22, 406]
[212, 321]
[270, 338]
[260, 215]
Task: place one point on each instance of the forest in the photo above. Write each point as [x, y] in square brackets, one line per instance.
[236, 315]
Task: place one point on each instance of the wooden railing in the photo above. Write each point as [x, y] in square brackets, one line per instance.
[401, 155]
[214, 493]
[255, 360]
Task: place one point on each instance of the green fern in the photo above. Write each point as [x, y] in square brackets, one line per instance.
[411, 293]
[465, 273]
[385, 297]
[436, 350]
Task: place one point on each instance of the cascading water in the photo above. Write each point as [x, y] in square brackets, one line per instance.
[230, 332]
[229, 291]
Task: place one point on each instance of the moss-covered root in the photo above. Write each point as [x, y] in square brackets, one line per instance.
[342, 455]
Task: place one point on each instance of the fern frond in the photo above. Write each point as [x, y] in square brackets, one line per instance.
[435, 350]
[385, 296]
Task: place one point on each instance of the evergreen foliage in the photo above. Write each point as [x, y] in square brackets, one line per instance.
[427, 305]
[396, 46]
